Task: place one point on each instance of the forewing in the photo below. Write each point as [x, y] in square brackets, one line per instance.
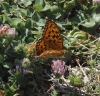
[52, 36]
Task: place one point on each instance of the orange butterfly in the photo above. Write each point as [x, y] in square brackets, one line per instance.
[50, 45]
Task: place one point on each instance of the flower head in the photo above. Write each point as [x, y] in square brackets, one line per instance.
[3, 29]
[26, 63]
[11, 32]
[26, 71]
[58, 67]
[1, 26]
[20, 69]
[96, 1]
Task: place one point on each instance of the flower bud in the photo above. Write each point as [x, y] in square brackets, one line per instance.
[26, 63]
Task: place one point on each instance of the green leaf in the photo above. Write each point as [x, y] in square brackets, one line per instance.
[77, 81]
[1, 59]
[4, 18]
[96, 17]
[1, 19]
[55, 8]
[15, 21]
[41, 22]
[38, 7]
[27, 2]
[23, 12]
[79, 35]
[89, 24]
[35, 16]
[41, 2]
[47, 7]
[28, 23]
[30, 40]
[7, 65]
[6, 7]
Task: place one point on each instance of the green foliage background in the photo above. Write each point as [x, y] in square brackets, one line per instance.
[78, 21]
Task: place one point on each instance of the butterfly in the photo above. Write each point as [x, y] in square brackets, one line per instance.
[50, 45]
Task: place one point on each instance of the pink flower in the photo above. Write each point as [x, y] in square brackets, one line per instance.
[11, 32]
[25, 71]
[25, 60]
[20, 69]
[26, 63]
[1, 26]
[3, 29]
[58, 67]
[96, 1]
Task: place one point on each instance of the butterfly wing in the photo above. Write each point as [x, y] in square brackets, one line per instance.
[51, 38]
[31, 49]
[52, 54]
[40, 48]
